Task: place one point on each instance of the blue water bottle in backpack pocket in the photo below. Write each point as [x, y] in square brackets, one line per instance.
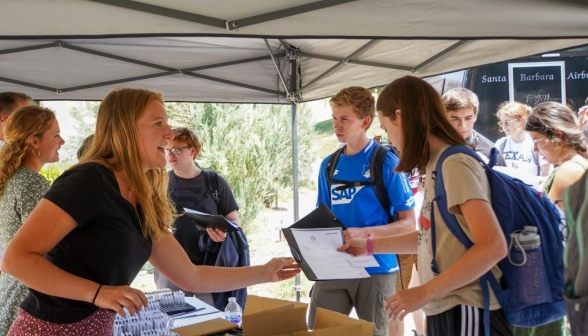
[525, 252]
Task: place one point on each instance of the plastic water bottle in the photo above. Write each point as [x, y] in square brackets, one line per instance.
[526, 253]
[233, 312]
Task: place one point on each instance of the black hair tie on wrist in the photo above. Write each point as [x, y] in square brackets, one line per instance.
[96, 295]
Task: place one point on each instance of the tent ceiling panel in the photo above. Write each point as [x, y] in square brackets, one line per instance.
[251, 74]
[190, 50]
[173, 88]
[244, 65]
[467, 55]
[493, 51]
[66, 68]
[187, 52]
[361, 18]
[229, 9]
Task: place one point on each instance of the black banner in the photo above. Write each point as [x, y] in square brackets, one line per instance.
[491, 85]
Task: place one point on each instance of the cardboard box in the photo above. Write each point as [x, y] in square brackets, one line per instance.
[205, 328]
[274, 317]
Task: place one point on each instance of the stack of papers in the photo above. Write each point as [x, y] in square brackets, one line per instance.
[314, 240]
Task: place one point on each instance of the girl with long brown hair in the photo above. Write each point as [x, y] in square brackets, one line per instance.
[413, 115]
[32, 140]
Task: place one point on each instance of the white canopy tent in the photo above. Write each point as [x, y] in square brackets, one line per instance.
[279, 51]
[221, 50]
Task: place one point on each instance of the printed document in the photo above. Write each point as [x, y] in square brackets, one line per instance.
[318, 248]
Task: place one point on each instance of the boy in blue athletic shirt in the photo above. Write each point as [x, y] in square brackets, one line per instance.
[360, 210]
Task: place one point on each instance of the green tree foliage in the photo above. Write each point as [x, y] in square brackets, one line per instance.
[250, 146]
[324, 127]
[85, 118]
[52, 171]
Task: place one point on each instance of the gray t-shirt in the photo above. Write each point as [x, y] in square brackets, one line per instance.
[195, 194]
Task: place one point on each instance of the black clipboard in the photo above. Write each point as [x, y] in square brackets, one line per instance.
[321, 217]
[203, 220]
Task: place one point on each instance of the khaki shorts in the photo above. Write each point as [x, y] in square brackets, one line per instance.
[405, 261]
[365, 295]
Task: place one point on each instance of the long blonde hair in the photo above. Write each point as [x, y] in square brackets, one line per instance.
[23, 124]
[423, 114]
[115, 145]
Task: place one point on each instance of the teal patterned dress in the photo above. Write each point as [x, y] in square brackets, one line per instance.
[22, 193]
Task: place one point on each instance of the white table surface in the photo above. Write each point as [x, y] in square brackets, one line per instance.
[209, 313]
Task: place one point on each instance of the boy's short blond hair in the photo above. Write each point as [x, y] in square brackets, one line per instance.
[361, 99]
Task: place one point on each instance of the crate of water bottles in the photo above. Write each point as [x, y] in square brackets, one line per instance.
[153, 319]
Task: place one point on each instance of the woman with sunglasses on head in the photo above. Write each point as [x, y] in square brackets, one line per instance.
[556, 135]
[517, 146]
[207, 192]
[101, 220]
[32, 140]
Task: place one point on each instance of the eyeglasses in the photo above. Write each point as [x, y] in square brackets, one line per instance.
[175, 150]
[507, 123]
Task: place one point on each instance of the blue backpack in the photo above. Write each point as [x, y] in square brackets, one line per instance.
[516, 205]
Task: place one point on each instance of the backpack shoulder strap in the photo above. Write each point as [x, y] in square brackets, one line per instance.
[441, 197]
[212, 185]
[332, 164]
[377, 177]
[503, 145]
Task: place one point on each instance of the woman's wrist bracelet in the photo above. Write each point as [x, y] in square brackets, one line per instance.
[370, 246]
[96, 295]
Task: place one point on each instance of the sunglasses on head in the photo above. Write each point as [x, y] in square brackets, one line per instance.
[507, 123]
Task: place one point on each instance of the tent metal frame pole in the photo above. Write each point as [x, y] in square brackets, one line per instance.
[116, 57]
[220, 23]
[439, 55]
[31, 48]
[162, 67]
[269, 48]
[279, 14]
[225, 81]
[164, 11]
[297, 279]
[338, 65]
[237, 62]
[294, 86]
[137, 78]
[295, 166]
[352, 61]
[118, 81]
[28, 84]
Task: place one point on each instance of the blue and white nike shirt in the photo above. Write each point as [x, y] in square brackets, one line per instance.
[359, 206]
